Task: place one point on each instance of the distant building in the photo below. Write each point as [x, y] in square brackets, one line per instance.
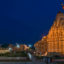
[12, 48]
[4, 50]
[21, 47]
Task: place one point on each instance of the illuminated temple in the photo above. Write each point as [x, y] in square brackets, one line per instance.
[41, 47]
[54, 39]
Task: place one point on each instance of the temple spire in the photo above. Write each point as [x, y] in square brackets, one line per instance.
[60, 5]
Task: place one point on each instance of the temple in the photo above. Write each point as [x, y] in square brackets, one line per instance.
[53, 43]
[55, 37]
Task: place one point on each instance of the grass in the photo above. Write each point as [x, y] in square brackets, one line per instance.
[16, 54]
[27, 60]
[60, 63]
[58, 57]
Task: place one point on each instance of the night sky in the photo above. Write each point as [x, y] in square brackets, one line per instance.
[26, 21]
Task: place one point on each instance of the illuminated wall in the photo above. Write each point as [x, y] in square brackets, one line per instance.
[41, 47]
[54, 41]
[55, 37]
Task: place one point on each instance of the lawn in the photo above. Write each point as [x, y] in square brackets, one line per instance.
[58, 57]
[14, 54]
[60, 63]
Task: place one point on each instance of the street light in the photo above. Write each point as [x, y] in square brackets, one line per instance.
[10, 49]
[30, 46]
[17, 45]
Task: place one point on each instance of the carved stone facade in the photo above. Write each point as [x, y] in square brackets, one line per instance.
[55, 38]
[41, 47]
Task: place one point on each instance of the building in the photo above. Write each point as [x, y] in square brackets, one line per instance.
[4, 50]
[11, 48]
[41, 47]
[53, 43]
[18, 48]
[55, 37]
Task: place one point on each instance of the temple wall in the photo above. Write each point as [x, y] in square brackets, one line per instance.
[55, 37]
[54, 41]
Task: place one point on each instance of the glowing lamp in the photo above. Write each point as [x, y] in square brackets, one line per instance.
[10, 49]
[30, 45]
[17, 45]
[29, 55]
[63, 7]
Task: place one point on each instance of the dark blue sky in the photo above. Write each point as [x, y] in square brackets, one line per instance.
[26, 20]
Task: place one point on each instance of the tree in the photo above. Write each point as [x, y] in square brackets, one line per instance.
[5, 45]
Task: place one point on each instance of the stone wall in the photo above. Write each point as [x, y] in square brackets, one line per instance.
[55, 37]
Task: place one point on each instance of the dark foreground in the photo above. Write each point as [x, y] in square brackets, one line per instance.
[22, 63]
